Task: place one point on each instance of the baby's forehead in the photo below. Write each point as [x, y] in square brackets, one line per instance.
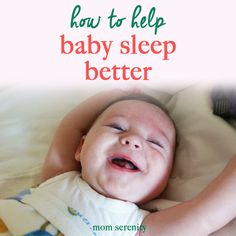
[138, 109]
[134, 107]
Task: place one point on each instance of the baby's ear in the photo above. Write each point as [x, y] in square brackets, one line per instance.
[79, 148]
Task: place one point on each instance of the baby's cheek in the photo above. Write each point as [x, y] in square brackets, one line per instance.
[158, 166]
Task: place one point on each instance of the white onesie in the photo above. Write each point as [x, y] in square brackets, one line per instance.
[101, 215]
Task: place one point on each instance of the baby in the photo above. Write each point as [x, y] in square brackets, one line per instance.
[127, 154]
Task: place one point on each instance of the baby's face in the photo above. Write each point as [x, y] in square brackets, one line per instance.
[128, 152]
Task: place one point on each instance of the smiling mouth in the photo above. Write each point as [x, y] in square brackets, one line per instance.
[124, 163]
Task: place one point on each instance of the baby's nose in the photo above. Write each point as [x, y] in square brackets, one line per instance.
[133, 141]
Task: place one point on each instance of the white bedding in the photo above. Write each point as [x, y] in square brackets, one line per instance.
[28, 119]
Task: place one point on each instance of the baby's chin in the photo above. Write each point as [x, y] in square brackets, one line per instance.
[136, 197]
[124, 197]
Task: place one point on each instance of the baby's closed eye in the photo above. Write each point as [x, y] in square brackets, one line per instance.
[116, 127]
[155, 143]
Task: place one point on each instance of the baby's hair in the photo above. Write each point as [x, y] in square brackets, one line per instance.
[140, 97]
